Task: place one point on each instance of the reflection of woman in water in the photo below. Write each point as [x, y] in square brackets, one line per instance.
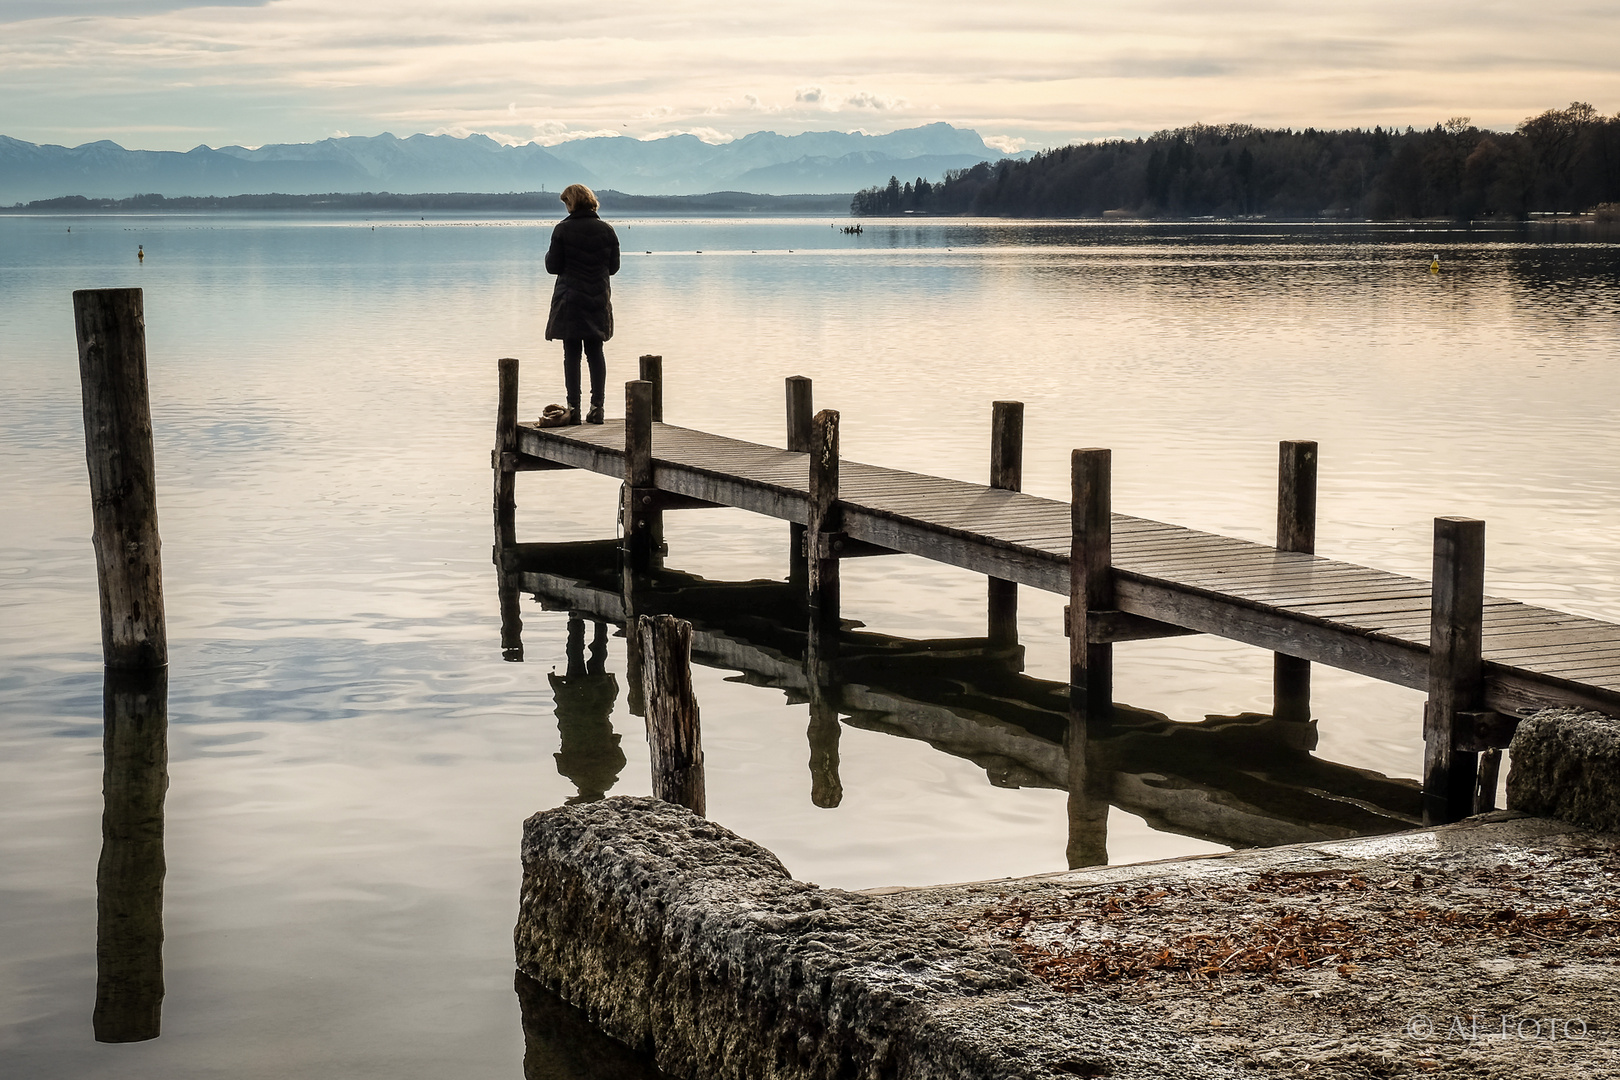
[585, 695]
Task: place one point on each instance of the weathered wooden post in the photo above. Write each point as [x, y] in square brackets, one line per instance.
[1456, 668]
[111, 328]
[1091, 666]
[129, 877]
[652, 371]
[1007, 474]
[800, 414]
[503, 459]
[1296, 531]
[640, 512]
[1091, 582]
[826, 519]
[672, 710]
[799, 418]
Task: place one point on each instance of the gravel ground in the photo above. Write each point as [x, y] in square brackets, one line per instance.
[1485, 949]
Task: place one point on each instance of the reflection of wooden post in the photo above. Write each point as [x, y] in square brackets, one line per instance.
[129, 878]
[652, 371]
[111, 328]
[1091, 582]
[826, 789]
[639, 514]
[825, 521]
[672, 710]
[511, 599]
[1006, 473]
[1296, 531]
[1456, 667]
[799, 416]
[1088, 799]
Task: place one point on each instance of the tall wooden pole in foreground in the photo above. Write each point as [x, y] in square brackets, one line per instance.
[111, 327]
[672, 711]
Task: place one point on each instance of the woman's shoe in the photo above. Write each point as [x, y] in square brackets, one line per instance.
[573, 415]
[595, 415]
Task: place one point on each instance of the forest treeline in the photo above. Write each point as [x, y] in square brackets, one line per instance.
[1564, 160]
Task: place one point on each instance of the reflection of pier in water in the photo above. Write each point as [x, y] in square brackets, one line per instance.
[1242, 780]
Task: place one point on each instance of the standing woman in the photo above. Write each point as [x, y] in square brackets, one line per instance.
[584, 254]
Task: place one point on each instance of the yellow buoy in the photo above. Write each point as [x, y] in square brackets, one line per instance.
[1434, 267]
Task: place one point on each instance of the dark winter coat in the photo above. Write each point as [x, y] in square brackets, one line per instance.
[584, 254]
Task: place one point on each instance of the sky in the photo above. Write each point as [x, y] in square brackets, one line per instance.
[169, 75]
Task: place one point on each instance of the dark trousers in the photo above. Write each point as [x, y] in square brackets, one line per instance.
[592, 348]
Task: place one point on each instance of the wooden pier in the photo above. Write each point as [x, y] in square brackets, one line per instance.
[1484, 661]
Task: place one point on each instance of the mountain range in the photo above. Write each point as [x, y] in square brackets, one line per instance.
[815, 162]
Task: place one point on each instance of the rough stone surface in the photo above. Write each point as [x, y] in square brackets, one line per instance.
[1565, 763]
[1488, 949]
[682, 939]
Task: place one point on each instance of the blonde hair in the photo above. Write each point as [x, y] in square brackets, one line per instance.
[579, 197]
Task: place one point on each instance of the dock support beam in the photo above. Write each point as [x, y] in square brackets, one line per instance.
[672, 711]
[800, 415]
[641, 521]
[1296, 531]
[1091, 666]
[1456, 668]
[825, 520]
[111, 328]
[1007, 474]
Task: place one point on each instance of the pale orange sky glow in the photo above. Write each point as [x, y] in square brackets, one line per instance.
[169, 75]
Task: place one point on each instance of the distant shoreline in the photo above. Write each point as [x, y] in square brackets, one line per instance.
[534, 202]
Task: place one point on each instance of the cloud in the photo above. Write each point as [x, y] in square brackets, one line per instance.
[245, 71]
[1007, 144]
[864, 100]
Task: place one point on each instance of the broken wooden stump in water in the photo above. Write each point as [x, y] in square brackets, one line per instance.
[672, 710]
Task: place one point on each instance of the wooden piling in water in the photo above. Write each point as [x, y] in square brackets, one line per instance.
[1091, 583]
[1006, 474]
[503, 457]
[800, 414]
[799, 420]
[111, 329]
[672, 711]
[1456, 669]
[639, 513]
[1296, 531]
[652, 371]
[823, 536]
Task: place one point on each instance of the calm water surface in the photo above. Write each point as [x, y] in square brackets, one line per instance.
[350, 759]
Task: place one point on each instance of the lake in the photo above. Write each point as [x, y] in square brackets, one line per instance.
[350, 757]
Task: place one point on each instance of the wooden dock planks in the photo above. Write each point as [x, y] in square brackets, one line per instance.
[1348, 616]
